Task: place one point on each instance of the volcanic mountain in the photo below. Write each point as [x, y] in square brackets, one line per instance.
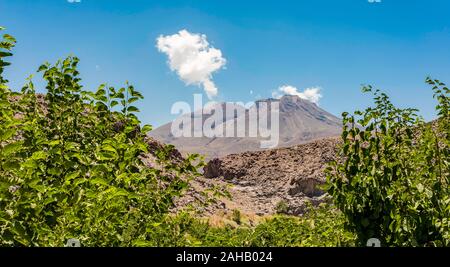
[300, 121]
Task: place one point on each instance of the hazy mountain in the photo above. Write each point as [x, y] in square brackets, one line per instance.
[300, 121]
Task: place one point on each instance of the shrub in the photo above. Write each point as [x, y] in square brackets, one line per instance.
[393, 180]
[281, 207]
[321, 226]
[71, 164]
[236, 216]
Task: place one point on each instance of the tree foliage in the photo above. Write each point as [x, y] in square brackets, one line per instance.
[71, 164]
[393, 180]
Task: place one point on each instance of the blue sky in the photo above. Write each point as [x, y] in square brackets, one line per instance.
[334, 45]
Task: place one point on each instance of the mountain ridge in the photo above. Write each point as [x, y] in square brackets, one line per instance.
[300, 121]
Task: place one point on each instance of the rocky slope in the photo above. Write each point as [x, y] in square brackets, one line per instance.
[276, 179]
[263, 183]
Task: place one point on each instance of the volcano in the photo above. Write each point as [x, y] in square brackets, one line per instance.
[300, 121]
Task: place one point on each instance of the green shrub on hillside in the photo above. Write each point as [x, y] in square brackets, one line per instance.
[393, 181]
[321, 226]
[70, 164]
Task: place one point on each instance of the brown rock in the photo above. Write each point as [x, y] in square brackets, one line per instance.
[262, 179]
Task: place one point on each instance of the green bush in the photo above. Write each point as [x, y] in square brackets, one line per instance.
[281, 207]
[393, 180]
[70, 164]
[236, 216]
[321, 226]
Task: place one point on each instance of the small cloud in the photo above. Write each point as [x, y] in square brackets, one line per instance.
[374, 1]
[74, 1]
[251, 92]
[192, 58]
[311, 94]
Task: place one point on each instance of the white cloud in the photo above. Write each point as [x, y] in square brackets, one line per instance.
[74, 1]
[311, 94]
[192, 58]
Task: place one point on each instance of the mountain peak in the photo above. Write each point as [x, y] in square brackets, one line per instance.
[300, 121]
[288, 99]
[294, 99]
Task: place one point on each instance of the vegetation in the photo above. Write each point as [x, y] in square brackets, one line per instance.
[393, 181]
[321, 226]
[71, 167]
[282, 207]
[236, 216]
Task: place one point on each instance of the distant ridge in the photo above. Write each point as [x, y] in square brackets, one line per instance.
[300, 121]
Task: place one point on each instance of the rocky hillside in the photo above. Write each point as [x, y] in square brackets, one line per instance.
[266, 182]
[285, 177]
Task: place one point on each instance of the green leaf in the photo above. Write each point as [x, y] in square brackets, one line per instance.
[5, 54]
[137, 94]
[4, 64]
[54, 143]
[9, 165]
[132, 109]
[109, 148]
[98, 181]
[38, 155]
[43, 67]
[142, 243]
[132, 99]
[114, 103]
[11, 148]
[71, 176]
[420, 187]
[7, 134]
[106, 155]
[9, 38]
[147, 128]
